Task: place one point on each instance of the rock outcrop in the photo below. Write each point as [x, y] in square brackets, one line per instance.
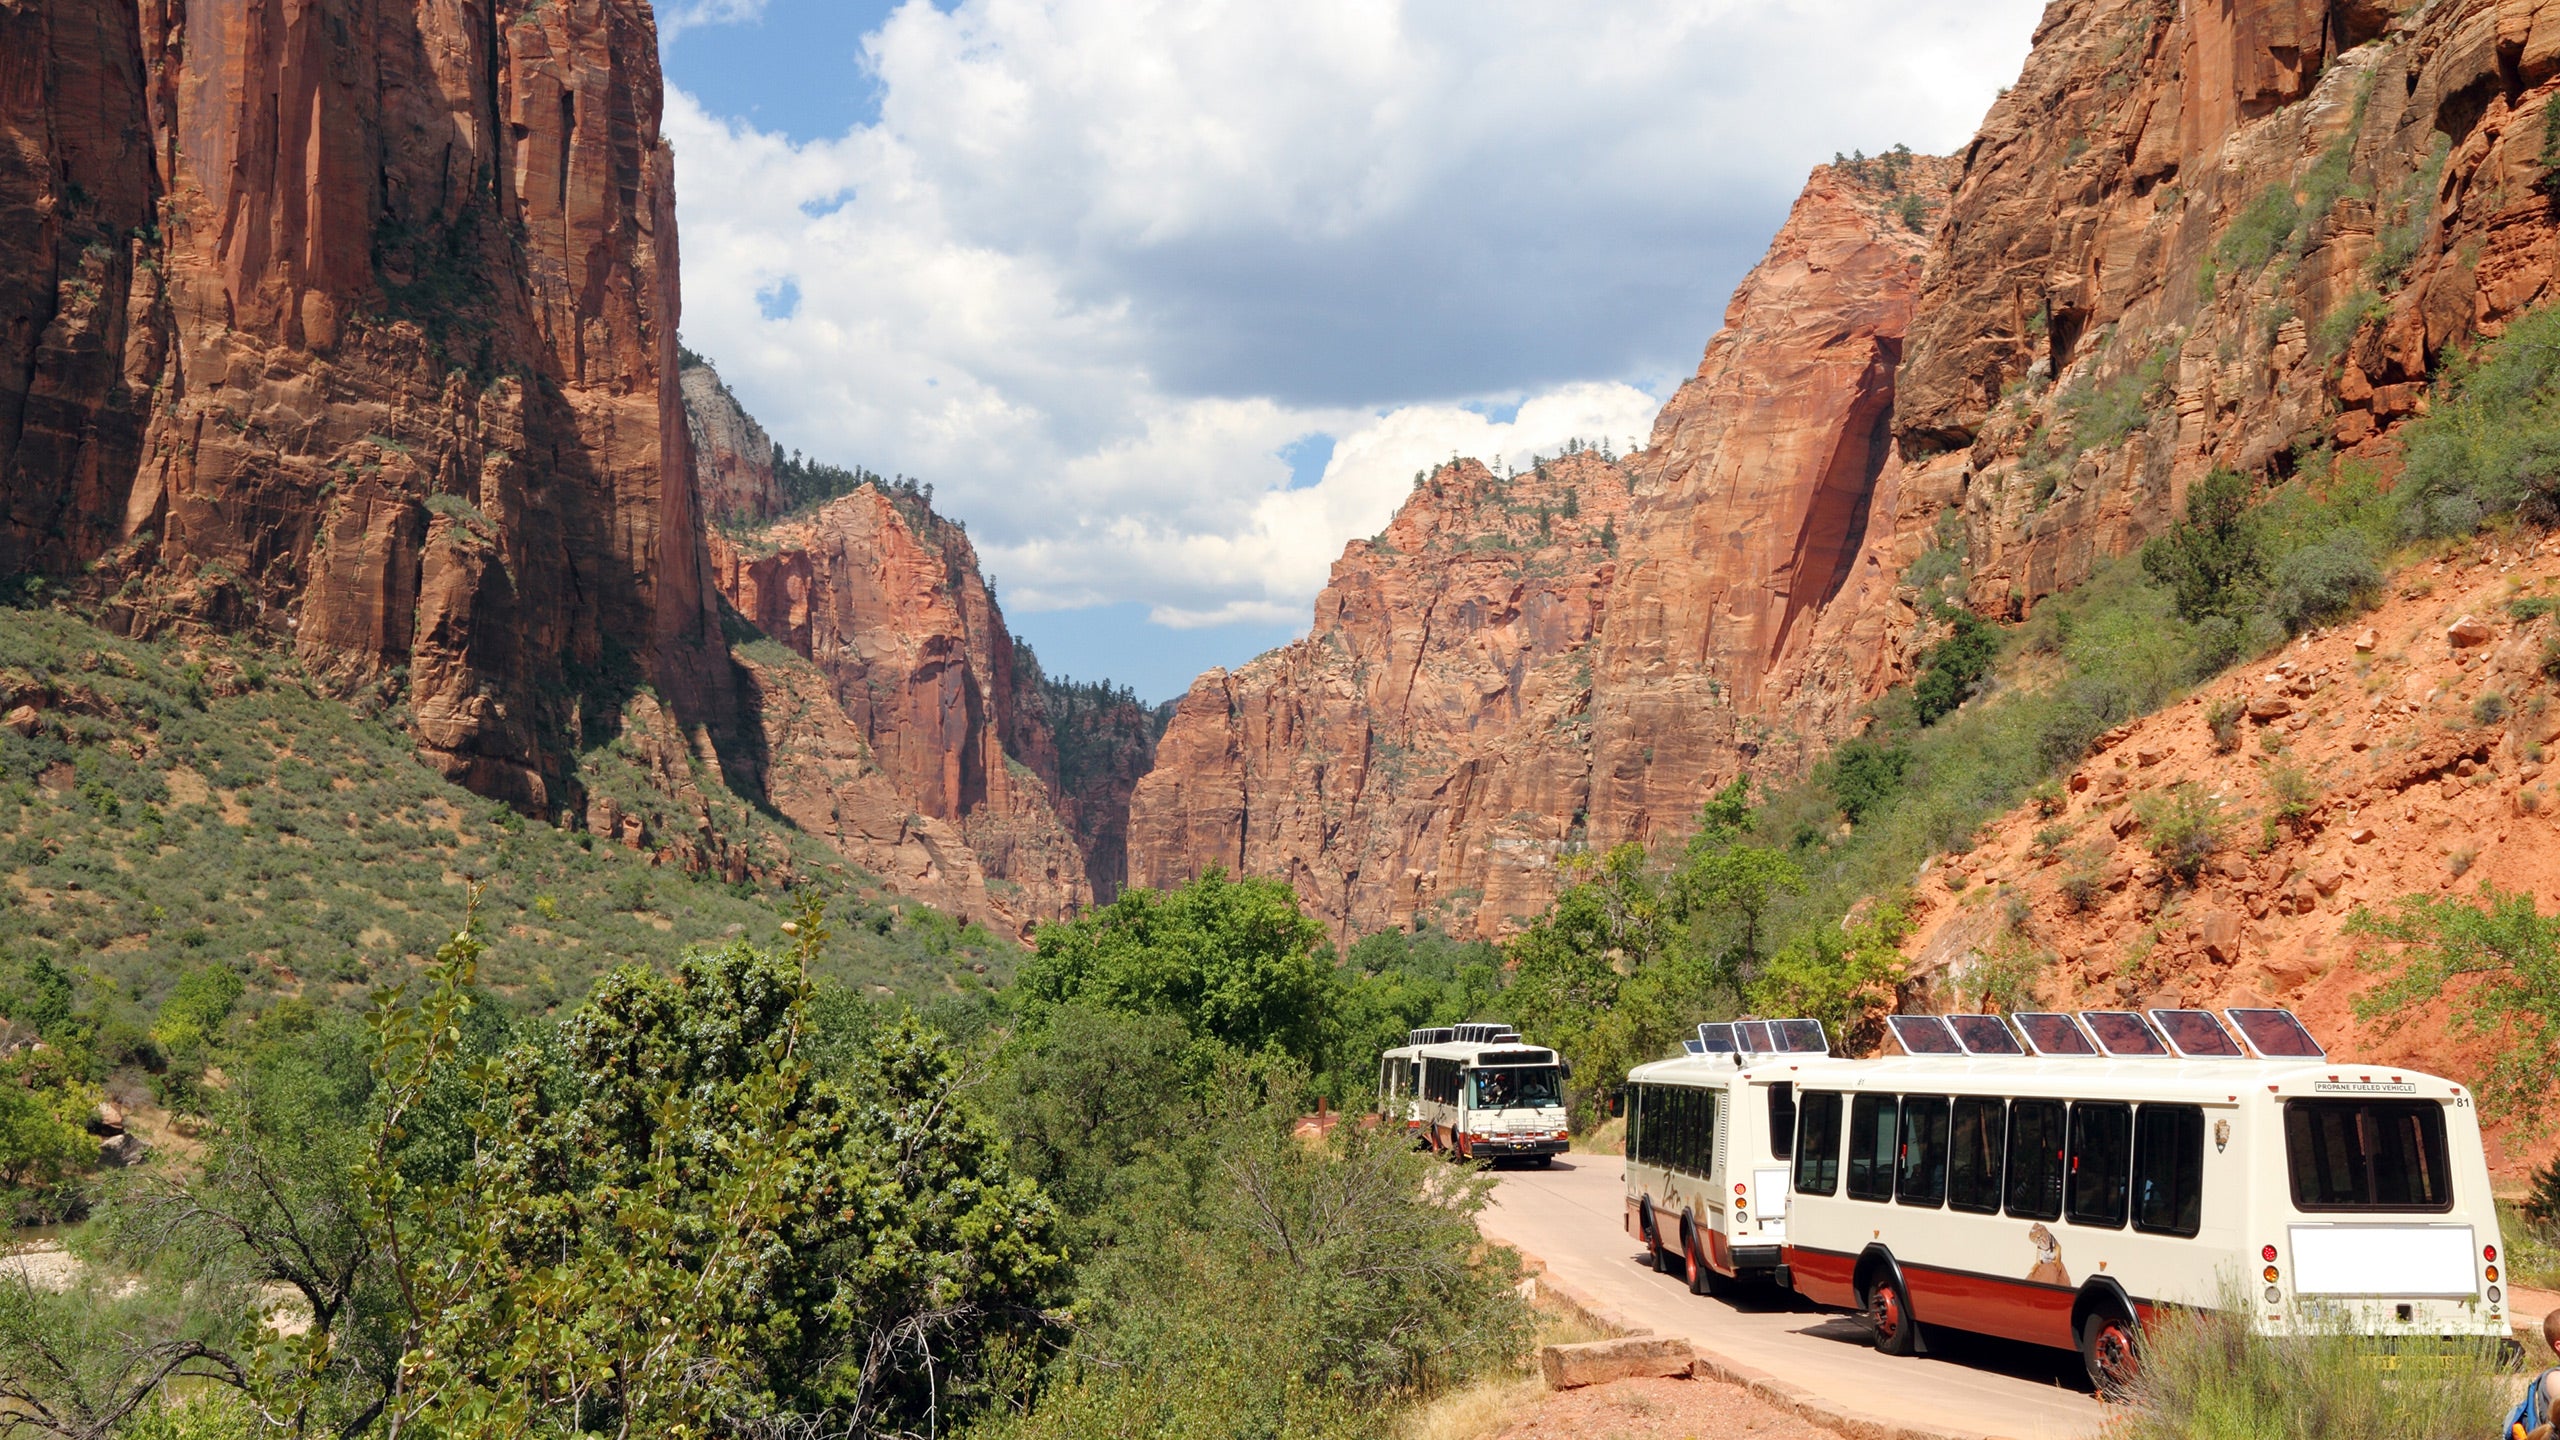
[886, 599]
[2215, 236]
[732, 456]
[355, 325]
[1755, 609]
[1522, 668]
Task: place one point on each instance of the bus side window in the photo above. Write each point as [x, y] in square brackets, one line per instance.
[1818, 1145]
[1923, 1173]
[1872, 1131]
[1782, 1119]
[1634, 1105]
[1974, 1141]
[2168, 1170]
[2035, 1159]
[2101, 1163]
[1693, 1134]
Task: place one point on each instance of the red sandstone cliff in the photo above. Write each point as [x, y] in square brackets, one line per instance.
[355, 325]
[886, 598]
[1508, 675]
[1427, 748]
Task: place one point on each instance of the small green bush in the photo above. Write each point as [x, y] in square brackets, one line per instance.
[2214, 563]
[2296, 796]
[2489, 709]
[2526, 611]
[2325, 582]
[2223, 718]
[2185, 827]
[1952, 669]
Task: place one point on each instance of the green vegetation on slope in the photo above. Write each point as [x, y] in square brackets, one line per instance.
[194, 832]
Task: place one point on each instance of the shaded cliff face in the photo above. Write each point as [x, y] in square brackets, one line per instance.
[886, 599]
[1106, 744]
[1520, 669]
[356, 325]
[2207, 236]
[1427, 748]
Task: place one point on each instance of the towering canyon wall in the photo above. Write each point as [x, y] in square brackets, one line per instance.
[354, 324]
[1490, 687]
[732, 456]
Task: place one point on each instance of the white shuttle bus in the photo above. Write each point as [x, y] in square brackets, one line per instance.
[1709, 1136]
[1483, 1093]
[2064, 1190]
[1400, 1085]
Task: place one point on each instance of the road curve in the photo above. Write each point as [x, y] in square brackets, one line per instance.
[1573, 1219]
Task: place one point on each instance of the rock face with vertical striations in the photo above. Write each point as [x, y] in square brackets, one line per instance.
[1426, 750]
[354, 324]
[1755, 609]
[886, 599]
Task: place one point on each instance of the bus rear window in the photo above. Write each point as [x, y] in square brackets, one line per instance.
[1782, 1119]
[2367, 1155]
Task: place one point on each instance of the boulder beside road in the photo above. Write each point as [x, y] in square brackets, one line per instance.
[1568, 1367]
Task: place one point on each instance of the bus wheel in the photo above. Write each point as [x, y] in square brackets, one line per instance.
[1889, 1316]
[1701, 1274]
[1664, 1262]
[1544, 1162]
[2110, 1351]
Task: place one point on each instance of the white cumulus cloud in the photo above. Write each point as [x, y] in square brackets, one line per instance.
[1097, 264]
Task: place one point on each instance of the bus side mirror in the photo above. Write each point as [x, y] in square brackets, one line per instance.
[1568, 1069]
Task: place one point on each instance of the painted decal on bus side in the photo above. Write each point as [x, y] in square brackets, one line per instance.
[2364, 1087]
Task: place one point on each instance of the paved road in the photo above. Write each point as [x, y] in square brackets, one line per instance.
[1572, 1217]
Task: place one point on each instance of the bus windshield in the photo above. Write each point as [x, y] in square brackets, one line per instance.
[1516, 1088]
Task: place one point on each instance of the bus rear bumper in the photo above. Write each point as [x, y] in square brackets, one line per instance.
[1749, 1258]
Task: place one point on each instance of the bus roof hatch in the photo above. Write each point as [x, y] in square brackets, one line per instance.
[1984, 1035]
[1924, 1035]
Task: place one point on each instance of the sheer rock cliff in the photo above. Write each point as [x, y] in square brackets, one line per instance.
[355, 325]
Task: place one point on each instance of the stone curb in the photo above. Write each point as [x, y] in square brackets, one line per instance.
[1793, 1399]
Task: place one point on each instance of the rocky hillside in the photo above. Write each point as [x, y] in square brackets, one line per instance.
[1528, 665]
[2403, 753]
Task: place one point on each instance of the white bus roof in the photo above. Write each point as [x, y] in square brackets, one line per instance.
[2225, 1081]
[1508, 1052]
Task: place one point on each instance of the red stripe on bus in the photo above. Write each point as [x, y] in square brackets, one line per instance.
[1988, 1305]
[1824, 1277]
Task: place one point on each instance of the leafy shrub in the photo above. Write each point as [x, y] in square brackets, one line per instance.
[2325, 582]
[2489, 709]
[1951, 670]
[2498, 962]
[2223, 718]
[2541, 1204]
[2295, 797]
[2551, 658]
[2214, 563]
[2208, 1372]
[2494, 448]
[2184, 825]
[2263, 231]
[2526, 611]
[2079, 889]
[2102, 415]
[1865, 776]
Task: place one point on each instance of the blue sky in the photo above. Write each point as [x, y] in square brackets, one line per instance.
[1169, 298]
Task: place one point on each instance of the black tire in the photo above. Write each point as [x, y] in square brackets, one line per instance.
[1693, 1253]
[1888, 1309]
[2111, 1352]
[1544, 1162]
[1663, 1262]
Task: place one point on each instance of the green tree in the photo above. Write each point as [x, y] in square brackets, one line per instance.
[41, 1142]
[1237, 961]
[1864, 776]
[1843, 977]
[2497, 965]
[1953, 668]
[2214, 565]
